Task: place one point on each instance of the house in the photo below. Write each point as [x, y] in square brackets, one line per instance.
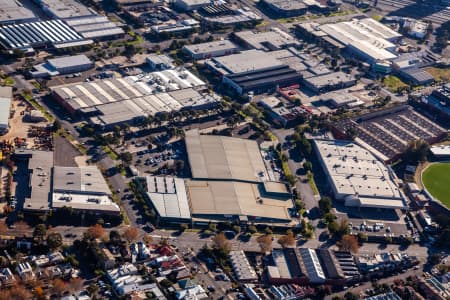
[25, 271]
[6, 277]
[194, 292]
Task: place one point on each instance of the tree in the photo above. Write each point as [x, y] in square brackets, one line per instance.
[307, 165]
[343, 227]
[94, 232]
[362, 237]
[131, 234]
[287, 240]
[329, 217]
[147, 239]
[114, 237]
[220, 242]
[76, 284]
[39, 233]
[333, 227]
[212, 227]
[126, 157]
[349, 243]
[265, 243]
[416, 151]
[325, 205]
[54, 240]
[56, 125]
[3, 227]
[58, 286]
[252, 229]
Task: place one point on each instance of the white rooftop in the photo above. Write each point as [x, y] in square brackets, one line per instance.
[358, 176]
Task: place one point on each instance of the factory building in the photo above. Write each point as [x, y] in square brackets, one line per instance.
[12, 12]
[41, 34]
[253, 71]
[272, 40]
[112, 102]
[5, 108]
[357, 177]
[63, 65]
[210, 49]
[229, 182]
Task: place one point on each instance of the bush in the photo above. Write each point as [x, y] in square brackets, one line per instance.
[252, 229]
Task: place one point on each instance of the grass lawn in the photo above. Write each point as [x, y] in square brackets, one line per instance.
[393, 83]
[439, 74]
[436, 179]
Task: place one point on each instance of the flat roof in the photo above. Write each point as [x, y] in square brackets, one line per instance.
[26, 35]
[287, 5]
[330, 79]
[87, 202]
[40, 164]
[65, 9]
[204, 48]
[80, 180]
[220, 157]
[69, 61]
[209, 198]
[168, 196]
[355, 172]
[12, 11]
[440, 150]
[270, 40]
[246, 61]
[5, 105]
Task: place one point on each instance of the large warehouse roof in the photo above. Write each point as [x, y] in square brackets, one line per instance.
[220, 157]
[208, 198]
[246, 61]
[12, 11]
[168, 196]
[5, 105]
[27, 35]
[83, 180]
[357, 176]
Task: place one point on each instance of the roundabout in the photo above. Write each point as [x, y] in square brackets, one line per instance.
[436, 180]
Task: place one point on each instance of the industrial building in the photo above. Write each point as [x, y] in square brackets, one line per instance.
[386, 133]
[230, 182]
[210, 49]
[242, 268]
[83, 189]
[357, 177]
[176, 28]
[35, 190]
[190, 5]
[227, 14]
[82, 19]
[12, 12]
[159, 62]
[41, 34]
[44, 187]
[112, 102]
[329, 82]
[253, 71]
[168, 197]
[275, 39]
[5, 108]
[368, 39]
[287, 8]
[416, 76]
[285, 115]
[63, 65]
[439, 101]
[341, 99]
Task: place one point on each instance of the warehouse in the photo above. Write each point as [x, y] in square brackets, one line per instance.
[286, 8]
[189, 5]
[83, 189]
[230, 181]
[210, 49]
[253, 71]
[416, 76]
[63, 65]
[275, 39]
[357, 177]
[368, 39]
[168, 197]
[5, 108]
[82, 19]
[12, 12]
[329, 82]
[54, 33]
[34, 173]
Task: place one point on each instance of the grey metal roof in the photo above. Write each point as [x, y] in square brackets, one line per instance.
[21, 36]
[12, 11]
[83, 180]
[5, 105]
[69, 61]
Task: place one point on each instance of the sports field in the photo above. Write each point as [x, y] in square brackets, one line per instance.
[436, 179]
